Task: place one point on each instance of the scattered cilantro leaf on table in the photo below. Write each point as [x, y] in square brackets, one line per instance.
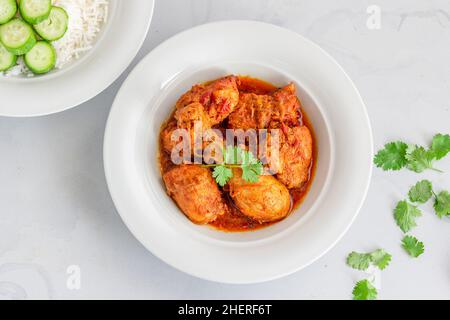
[440, 145]
[442, 204]
[361, 261]
[421, 192]
[364, 290]
[381, 258]
[397, 155]
[236, 157]
[413, 246]
[405, 215]
[392, 157]
[419, 159]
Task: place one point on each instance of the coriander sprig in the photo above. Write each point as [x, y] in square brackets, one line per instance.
[361, 261]
[423, 191]
[236, 157]
[397, 155]
[364, 289]
[405, 213]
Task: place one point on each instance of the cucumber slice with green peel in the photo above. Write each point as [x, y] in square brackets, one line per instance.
[7, 59]
[8, 9]
[42, 58]
[17, 36]
[55, 26]
[35, 11]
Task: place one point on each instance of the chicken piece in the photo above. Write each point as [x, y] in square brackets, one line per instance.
[264, 111]
[166, 136]
[295, 156]
[219, 98]
[264, 201]
[287, 107]
[187, 118]
[253, 112]
[207, 105]
[196, 193]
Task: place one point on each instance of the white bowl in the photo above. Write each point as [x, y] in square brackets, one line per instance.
[328, 96]
[115, 48]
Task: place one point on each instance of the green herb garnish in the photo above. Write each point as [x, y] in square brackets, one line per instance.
[440, 145]
[418, 159]
[397, 155]
[364, 290]
[405, 215]
[412, 246]
[236, 157]
[442, 204]
[421, 192]
[361, 261]
[392, 157]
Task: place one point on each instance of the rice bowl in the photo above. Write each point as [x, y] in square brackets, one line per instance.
[86, 19]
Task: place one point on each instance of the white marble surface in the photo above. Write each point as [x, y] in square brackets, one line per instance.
[55, 210]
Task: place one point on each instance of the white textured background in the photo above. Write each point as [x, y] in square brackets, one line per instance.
[55, 209]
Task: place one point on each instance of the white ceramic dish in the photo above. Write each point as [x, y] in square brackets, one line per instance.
[207, 52]
[62, 89]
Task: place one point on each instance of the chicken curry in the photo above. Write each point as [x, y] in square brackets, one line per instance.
[240, 103]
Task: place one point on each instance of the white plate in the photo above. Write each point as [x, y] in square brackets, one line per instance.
[248, 48]
[117, 45]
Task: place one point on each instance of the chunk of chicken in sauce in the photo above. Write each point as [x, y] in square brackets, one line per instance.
[219, 98]
[209, 103]
[263, 111]
[185, 118]
[264, 201]
[295, 156]
[195, 192]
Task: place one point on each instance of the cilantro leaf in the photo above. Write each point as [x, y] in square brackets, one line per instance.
[222, 175]
[236, 157]
[442, 204]
[405, 215]
[252, 168]
[252, 172]
[440, 145]
[419, 159]
[359, 261]
[364, 290]
[412, 246]
[421, 192]
[381, 258]
[392, 157]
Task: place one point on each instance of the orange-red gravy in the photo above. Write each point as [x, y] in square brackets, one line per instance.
[235, 221]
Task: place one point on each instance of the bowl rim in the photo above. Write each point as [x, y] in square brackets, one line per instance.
[233, 280]
[50, 102]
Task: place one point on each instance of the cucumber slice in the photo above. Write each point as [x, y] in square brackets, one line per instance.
[35, 11]
[17, 36]
[42, 58]
[55, 26]
[8, 9]
[7, 59]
